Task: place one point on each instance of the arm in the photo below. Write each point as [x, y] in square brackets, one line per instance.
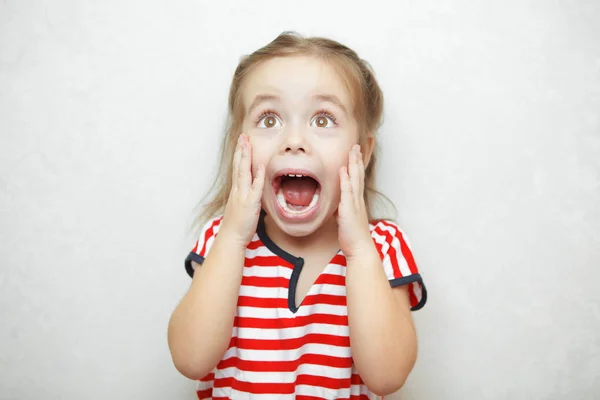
[382, 334]
[201, 325]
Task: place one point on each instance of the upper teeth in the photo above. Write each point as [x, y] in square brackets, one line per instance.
[294, 176]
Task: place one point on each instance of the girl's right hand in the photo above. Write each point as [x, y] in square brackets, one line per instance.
[244, 204]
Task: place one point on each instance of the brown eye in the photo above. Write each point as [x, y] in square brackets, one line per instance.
[270, 122]
[323, 121]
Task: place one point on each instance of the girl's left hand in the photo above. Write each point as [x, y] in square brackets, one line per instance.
[352, 217]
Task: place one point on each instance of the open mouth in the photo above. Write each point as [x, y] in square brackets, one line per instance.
[297, 193]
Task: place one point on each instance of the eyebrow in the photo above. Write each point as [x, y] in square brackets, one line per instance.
[326, 98]
[260, 99]
[330, 98]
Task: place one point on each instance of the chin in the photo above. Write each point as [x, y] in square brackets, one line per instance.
[297, 229]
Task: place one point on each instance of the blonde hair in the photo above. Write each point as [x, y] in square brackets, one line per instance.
[358, 77]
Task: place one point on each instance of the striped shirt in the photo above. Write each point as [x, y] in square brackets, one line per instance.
[280, 351]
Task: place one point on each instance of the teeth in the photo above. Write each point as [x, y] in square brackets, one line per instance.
[294, 176]
[288, 208]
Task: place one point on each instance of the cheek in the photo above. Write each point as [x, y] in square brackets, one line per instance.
[260, 154]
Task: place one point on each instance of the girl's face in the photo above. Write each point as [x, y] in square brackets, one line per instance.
[299, 118]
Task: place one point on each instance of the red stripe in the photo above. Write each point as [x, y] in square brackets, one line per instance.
[208, 234]
[261, 281]
[281, 282]
[331, 279]
[352, 397]
[280, 323]
[208, 377]
[285, 366]
[281, 388]
[378, 246]
[255, 245]
[321, 381]
[204, 394]
[330, 299]
[289, 344]
[391, 251]
[267, 261]
[356, 380]
[338, 259]
[412, 296]
[405, 248]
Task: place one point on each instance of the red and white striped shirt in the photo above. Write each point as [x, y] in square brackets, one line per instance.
[280, 351]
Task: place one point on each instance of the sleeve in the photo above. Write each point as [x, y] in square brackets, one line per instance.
[398, 261]
[207, 236]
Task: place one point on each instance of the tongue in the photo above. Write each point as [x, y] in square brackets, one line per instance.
[298, 191]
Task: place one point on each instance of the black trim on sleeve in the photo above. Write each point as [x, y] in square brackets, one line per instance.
[188, 262]
[412, 279]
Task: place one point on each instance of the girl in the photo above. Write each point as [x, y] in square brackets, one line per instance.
[297, 290]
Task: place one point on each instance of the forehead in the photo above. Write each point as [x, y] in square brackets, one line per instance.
[295, 79]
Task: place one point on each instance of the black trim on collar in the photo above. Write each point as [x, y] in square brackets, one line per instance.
[271, 245]
[297, 262]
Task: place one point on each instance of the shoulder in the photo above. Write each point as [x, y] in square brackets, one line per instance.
[209, 227]
[387, 231]
[398, 260]
[206, 234]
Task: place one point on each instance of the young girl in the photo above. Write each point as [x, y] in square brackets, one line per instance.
[297, 291]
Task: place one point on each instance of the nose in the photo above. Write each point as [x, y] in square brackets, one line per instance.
[295, 141]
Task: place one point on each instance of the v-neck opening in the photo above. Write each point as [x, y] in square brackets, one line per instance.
[297, 262]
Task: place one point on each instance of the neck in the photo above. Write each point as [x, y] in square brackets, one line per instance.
[323, 238]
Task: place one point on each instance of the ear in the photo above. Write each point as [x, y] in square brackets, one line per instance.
[367, 149]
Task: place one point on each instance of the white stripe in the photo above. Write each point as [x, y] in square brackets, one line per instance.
[335, 269]
[268, 272]
[320, 308]
[261, 251]
[285, 377]
[279, 313]
[325, 393]
[203, 385]
[211, 238]
[282, 293]
[288, 355]
[416, 287]
[263, 292]
[382, 240]
[290, 333]
[237, 395]
[402, 263]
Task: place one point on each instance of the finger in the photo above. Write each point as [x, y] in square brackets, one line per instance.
[354, 174]
[259, 183]
[245, 173]
[361, 173]
[345, 186]
[237, 156]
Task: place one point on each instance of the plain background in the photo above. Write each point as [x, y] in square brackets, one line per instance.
[110, 118]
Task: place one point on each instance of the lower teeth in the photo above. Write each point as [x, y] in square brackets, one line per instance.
[296, 209]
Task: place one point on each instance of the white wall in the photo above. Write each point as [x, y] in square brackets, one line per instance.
[110, 113]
